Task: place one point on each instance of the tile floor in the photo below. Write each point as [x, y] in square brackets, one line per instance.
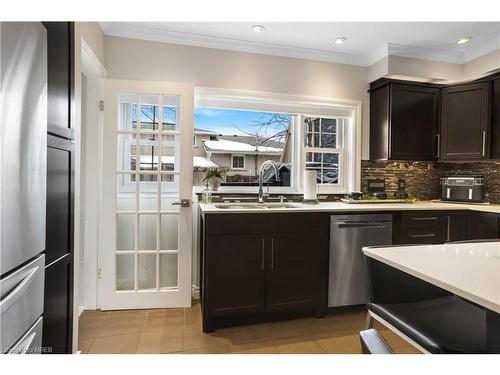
[179, 331]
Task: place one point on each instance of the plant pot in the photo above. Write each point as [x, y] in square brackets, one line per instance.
[214, 184]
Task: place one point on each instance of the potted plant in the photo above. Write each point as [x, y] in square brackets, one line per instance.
[214, 176]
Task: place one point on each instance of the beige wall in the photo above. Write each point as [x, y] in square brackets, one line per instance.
[484, 65]
[205, 67]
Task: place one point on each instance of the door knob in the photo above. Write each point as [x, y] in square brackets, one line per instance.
[182, 203]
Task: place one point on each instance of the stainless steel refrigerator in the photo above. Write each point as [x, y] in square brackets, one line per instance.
[23, 171]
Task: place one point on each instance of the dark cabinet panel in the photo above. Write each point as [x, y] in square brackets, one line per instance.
[483, 225]
[58, 301]
[296, 272]
[495, 120]
[455, 226]
[420, 227]
[236, 271]
[404, 122]
[58, 307]
[59, 198]
[379, 123]
[252, 277]
[60, 76]
[465, 122]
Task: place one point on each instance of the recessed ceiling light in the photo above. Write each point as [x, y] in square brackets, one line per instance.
[464, 40]
[340, 40]
[258, 28]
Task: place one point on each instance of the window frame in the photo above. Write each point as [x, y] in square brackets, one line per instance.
[341, 186]
[233, 168]
[295, 105]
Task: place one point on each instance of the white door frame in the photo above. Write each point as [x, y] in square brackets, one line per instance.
[95, 73]
[144, 299]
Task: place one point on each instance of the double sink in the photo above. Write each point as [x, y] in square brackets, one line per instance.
[254, 206]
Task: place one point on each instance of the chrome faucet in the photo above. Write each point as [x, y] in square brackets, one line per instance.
[261, 177]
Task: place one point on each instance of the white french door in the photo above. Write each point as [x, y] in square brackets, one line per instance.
[145, 252]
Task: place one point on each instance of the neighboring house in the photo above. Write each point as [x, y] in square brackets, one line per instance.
[241, 156]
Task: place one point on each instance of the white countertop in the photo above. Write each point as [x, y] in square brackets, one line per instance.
[471, 271]
[210, 208]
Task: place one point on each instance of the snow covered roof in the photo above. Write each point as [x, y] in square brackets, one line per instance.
[225, 146]
[198, 161]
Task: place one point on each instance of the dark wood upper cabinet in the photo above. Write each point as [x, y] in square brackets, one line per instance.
[60, 74]
[404, 122]
[465, 122]
[495, 120]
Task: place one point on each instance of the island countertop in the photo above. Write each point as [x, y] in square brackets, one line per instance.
[469, 270]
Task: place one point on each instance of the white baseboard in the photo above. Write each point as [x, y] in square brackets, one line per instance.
[80, 310]
[195, 292]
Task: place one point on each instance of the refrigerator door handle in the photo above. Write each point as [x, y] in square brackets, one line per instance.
[11, 298]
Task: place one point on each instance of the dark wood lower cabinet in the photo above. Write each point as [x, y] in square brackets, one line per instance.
[296, 267]
[482, 226]
[58, 307]
[435, 227]
[279, 273]
[455, 226]
[237, 264]
[58, 301]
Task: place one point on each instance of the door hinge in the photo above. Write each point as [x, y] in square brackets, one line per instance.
[99, 273]
[100, 105]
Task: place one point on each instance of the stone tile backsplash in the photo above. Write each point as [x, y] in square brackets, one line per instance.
[422, 178]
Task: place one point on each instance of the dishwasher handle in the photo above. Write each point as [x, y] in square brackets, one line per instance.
[361, 224]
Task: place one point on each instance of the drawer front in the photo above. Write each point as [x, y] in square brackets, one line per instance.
[422, 219]
[219, 224]
[31, 342]
[298, 223]
[421, 236]
[21, 301]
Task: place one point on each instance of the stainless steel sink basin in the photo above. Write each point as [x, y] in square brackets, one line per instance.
[256, 206]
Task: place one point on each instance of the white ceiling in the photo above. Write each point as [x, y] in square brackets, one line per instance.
[367, 42]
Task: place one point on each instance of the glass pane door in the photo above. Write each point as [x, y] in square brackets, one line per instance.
[149, 263]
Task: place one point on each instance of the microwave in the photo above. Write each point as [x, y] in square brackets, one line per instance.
[462, 189]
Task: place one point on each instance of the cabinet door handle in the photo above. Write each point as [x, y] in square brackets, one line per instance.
[422, 235]
[448, 229]
[424, 218]
[262, 255]
[484, 143]
[272, 253]
[438, 148]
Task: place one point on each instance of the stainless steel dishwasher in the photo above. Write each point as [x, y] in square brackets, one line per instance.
[348, 281]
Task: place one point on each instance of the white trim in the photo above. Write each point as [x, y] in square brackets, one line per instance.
[488, 43]
[196, 40]
[232, 164]
[90, 63]
[81, 309]
[273, 102]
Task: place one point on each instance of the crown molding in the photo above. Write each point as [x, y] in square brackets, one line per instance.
[205, 41]
[126, 30]
[401, 50]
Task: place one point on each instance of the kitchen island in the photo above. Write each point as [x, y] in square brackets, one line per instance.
[470, 271]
